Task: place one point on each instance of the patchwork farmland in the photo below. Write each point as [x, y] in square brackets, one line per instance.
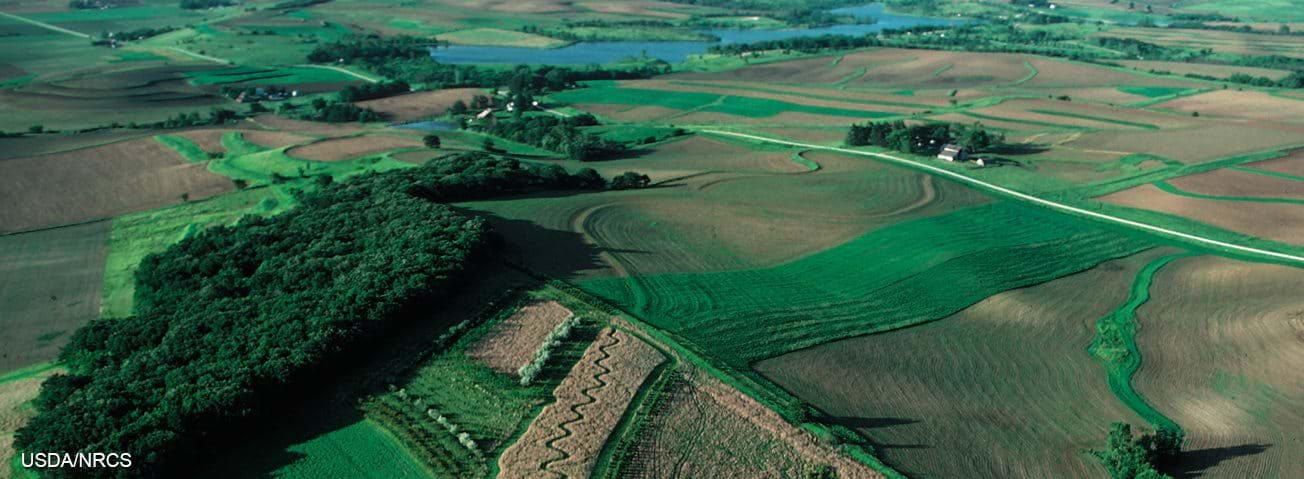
[447, 238]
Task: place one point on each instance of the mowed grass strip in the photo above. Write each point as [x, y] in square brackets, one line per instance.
[697, 101]
[893, 277]
[187, 148]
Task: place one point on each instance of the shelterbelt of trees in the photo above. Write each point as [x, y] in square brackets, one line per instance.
[232, 322]
[407, 58]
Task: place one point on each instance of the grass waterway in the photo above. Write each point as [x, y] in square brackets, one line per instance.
[1115, 344]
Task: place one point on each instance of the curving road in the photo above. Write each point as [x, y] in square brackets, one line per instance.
[1277, 255]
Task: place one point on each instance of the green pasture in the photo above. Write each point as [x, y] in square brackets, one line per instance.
[890, 278]
[698, 101]
[362, 450]
[236, 145]
[184, 146]
[272, 166]
[1270, 10]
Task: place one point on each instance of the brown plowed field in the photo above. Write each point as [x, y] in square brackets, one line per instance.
[413, 106]
[1282, 222]
[99, 182]
[1223, 349]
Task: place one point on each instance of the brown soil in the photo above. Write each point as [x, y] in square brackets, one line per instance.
[340, 149]
[414, 106]
[1282, 222]
[272, 139]
[99, 182]
[1226, 182]
[1223, 355]
[513, 342]
[1253, 105]
[1292, 164]
[569, 434]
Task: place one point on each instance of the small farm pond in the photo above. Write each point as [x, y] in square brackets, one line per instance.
[585, 53]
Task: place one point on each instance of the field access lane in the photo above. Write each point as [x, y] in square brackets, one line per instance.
[45, 25]
[1276, 255]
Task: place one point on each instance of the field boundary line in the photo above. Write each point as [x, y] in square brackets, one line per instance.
[46, 26]
[345, 71]
[200, 56]
[1030, 198]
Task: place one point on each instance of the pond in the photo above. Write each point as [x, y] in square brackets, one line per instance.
[427, 125]
[585, 53]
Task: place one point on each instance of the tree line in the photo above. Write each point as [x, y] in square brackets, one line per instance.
[320, 109]
[407, 58]
[371, 91]
[924, 138]
[234, 321]
[562, 135]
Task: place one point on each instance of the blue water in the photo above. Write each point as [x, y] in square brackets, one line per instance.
[429, 125]
[585, 53]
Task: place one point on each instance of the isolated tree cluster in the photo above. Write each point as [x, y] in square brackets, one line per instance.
[562, 135]
[1139, 457]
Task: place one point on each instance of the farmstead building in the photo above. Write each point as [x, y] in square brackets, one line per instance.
[953, 152]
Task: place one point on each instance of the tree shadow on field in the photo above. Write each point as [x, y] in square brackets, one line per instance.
[1019, 149]
[561, 254]
[1194, 463]
[871, 422]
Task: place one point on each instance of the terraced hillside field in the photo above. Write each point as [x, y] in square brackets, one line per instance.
[1221, 342]
[725, 212]
[1281, 221]
[1009, 376]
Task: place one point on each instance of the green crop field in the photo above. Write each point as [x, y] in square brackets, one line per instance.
[898, 276]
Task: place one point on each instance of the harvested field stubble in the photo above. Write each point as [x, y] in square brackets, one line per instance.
[569, 434]
[704, 428]
[513, 341]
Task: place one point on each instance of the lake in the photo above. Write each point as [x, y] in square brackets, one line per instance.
[585, 53]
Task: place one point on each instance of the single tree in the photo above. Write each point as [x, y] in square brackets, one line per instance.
[432, 141]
